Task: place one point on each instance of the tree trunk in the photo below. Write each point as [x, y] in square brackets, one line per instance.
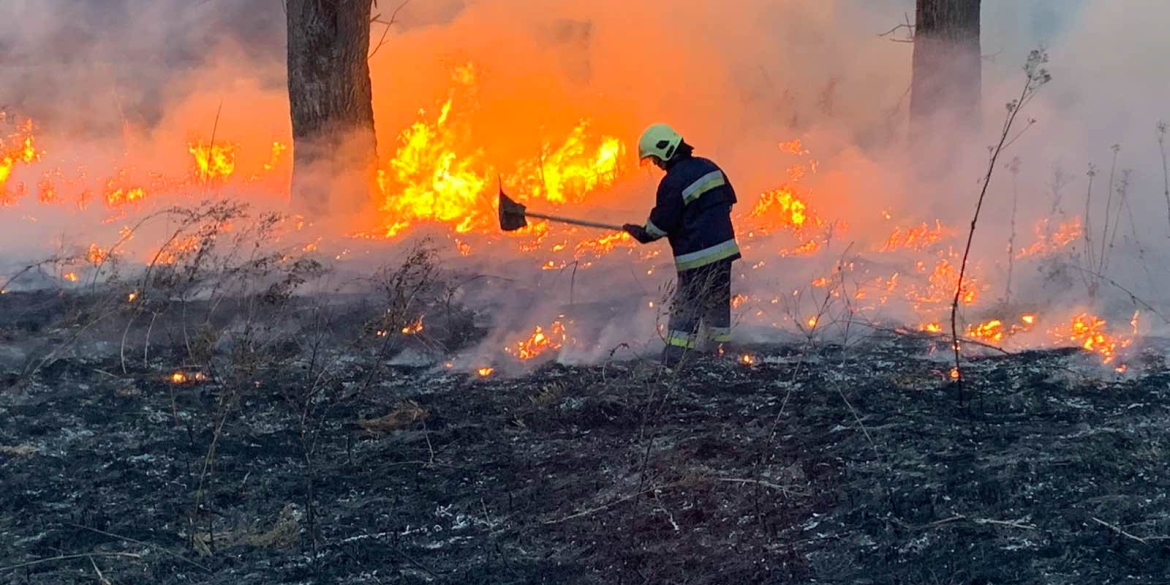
[330, 98]
[947, 70]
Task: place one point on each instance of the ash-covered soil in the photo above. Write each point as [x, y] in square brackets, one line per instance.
[821, 467]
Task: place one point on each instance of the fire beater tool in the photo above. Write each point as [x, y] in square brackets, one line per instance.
[514, 216]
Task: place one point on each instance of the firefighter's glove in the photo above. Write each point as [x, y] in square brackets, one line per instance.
[638, 232]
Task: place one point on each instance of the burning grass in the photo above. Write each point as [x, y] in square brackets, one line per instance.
[439, 181]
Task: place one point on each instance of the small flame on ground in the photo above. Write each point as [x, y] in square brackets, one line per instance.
[485, 372]
[1091, 334]
[181, 377]
[747, 359]
[917, 239]
[605, 244]
[96, 255]
[932, 328]
[540, 342]
[413, 328]
[991, 331]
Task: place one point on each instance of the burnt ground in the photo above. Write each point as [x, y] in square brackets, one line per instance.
[834, 467]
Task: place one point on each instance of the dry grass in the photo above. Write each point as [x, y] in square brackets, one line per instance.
[405, 415]
[549, 394]
[128, 391]
[18, 450]
[285, 532]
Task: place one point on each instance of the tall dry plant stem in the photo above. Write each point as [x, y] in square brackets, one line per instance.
[1036, 76]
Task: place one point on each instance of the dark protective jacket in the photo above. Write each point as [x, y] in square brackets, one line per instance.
[693, 212]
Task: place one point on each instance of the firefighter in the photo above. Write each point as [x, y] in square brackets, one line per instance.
[693, 212]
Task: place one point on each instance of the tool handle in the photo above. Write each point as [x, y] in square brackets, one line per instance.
[580, 222]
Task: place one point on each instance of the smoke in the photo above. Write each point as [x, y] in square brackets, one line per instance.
[103, 78]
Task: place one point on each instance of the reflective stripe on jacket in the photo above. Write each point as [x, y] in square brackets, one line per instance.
[693, 210]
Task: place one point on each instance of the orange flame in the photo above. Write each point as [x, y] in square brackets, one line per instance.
[783, 208]
[573, 169]
[990, 331]
[213, 162]
[1049, 242]
[605, 244]
[917, 239]
[96, 254]
[1091, 334]
[413, 328]
[278, 149]
[15, 149]
[436, 174]
[540, 342]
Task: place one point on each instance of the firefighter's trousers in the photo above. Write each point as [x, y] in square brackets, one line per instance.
[701, 304]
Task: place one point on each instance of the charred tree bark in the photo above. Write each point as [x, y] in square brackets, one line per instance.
[330, 98]
[947, 70]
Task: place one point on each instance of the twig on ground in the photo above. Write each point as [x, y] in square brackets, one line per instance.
[1007, 523]
[786, 490]
[1020, 524]
[1118, 530]
[69, 558]
[142, 543]
[101, 578]
[857, 418]
[601, 508]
